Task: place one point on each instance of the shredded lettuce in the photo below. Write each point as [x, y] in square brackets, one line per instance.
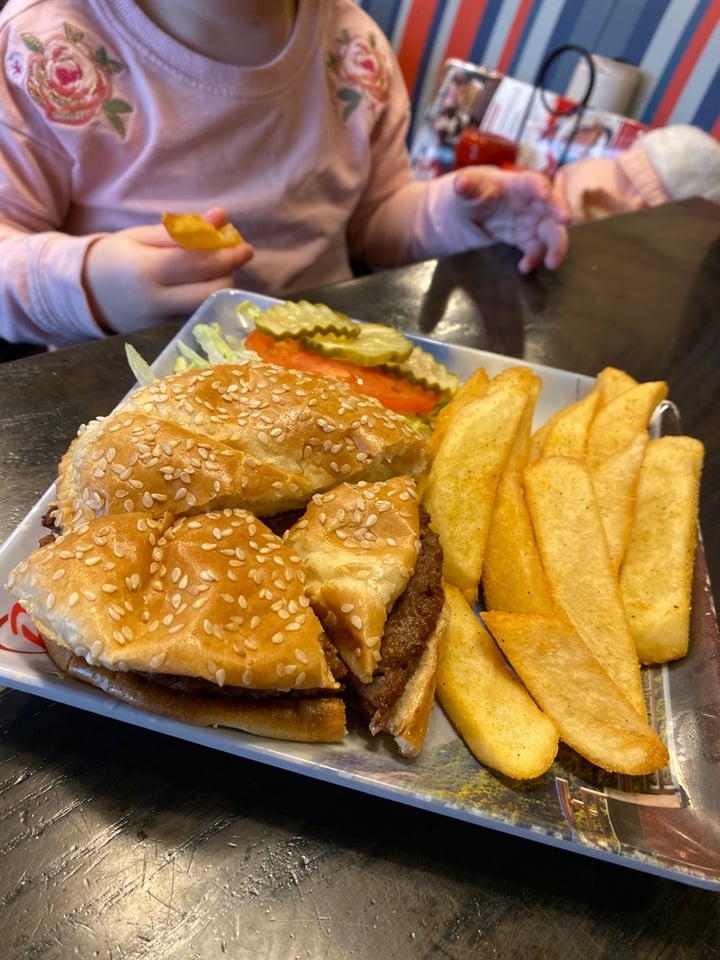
[219, 347]
[140, 367]
[189, 358]
[249, 310]
[216, 347]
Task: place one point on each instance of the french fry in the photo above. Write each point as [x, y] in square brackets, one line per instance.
[490, 708]
[194, 233]
[656, 574]
[571, 687]
[566, 432]
[472, 388]
[574, 552]
[615, 481]
[460, 489]
[611, 382]
[617, 422]
[513, 577]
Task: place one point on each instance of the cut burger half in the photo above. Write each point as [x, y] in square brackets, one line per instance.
[200, 618]
[246, 435]
[373, 569]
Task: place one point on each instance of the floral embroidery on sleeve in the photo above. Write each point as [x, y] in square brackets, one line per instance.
[360, 72]
[71, 83]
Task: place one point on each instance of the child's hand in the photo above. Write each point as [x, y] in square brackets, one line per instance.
[519, 208]
[139, 277]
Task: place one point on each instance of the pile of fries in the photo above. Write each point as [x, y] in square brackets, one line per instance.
[579, 541]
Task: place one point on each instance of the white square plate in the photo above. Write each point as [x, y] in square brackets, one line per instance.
[667, 824]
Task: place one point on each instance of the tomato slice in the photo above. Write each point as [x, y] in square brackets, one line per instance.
[391, 390]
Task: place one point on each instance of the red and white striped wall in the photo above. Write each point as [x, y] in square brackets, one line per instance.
[675, 44]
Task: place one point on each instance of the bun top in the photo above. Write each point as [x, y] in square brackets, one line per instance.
[359, 543]
[217, 596]
[232, 435]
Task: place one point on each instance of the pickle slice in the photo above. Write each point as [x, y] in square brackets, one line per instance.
[422, 369]
[374, 345]
[304, 319]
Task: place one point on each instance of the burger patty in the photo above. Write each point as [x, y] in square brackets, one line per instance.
[199, 685]
[407, 631]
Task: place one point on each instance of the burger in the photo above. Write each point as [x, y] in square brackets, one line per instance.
[243, 546]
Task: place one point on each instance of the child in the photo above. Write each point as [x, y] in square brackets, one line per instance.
[670, 163]
[288, 117]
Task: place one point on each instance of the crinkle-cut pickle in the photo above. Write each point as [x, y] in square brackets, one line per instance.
[296, 320]
[376, 344]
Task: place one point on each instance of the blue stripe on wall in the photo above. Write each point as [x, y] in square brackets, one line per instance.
[589, 23]
[573, 26]
[383, 12]
[647, 23]
[706, 115]
[620, 24]
[482, 38]
[673, 61]
[535, 12]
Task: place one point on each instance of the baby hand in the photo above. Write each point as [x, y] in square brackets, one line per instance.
[519, 208]
[139, 276]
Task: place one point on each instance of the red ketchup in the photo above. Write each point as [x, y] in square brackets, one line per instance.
[479, 147]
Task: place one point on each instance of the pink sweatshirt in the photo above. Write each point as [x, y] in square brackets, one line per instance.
[106, 122]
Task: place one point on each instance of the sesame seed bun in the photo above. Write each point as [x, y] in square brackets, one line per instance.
[233, 435]
[312, 720]
[409, 717]
[215, 596]
[359, 543]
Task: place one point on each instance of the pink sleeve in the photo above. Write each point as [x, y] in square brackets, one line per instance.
[41, 294]
[401, 220]
[623, 183]
[423, 220]
[41, 297]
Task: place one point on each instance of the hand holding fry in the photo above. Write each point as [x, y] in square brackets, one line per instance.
[140, 276]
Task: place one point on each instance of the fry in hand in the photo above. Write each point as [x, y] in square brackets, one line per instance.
[194, 233]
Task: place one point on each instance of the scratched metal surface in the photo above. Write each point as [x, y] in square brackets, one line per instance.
[116, 842]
